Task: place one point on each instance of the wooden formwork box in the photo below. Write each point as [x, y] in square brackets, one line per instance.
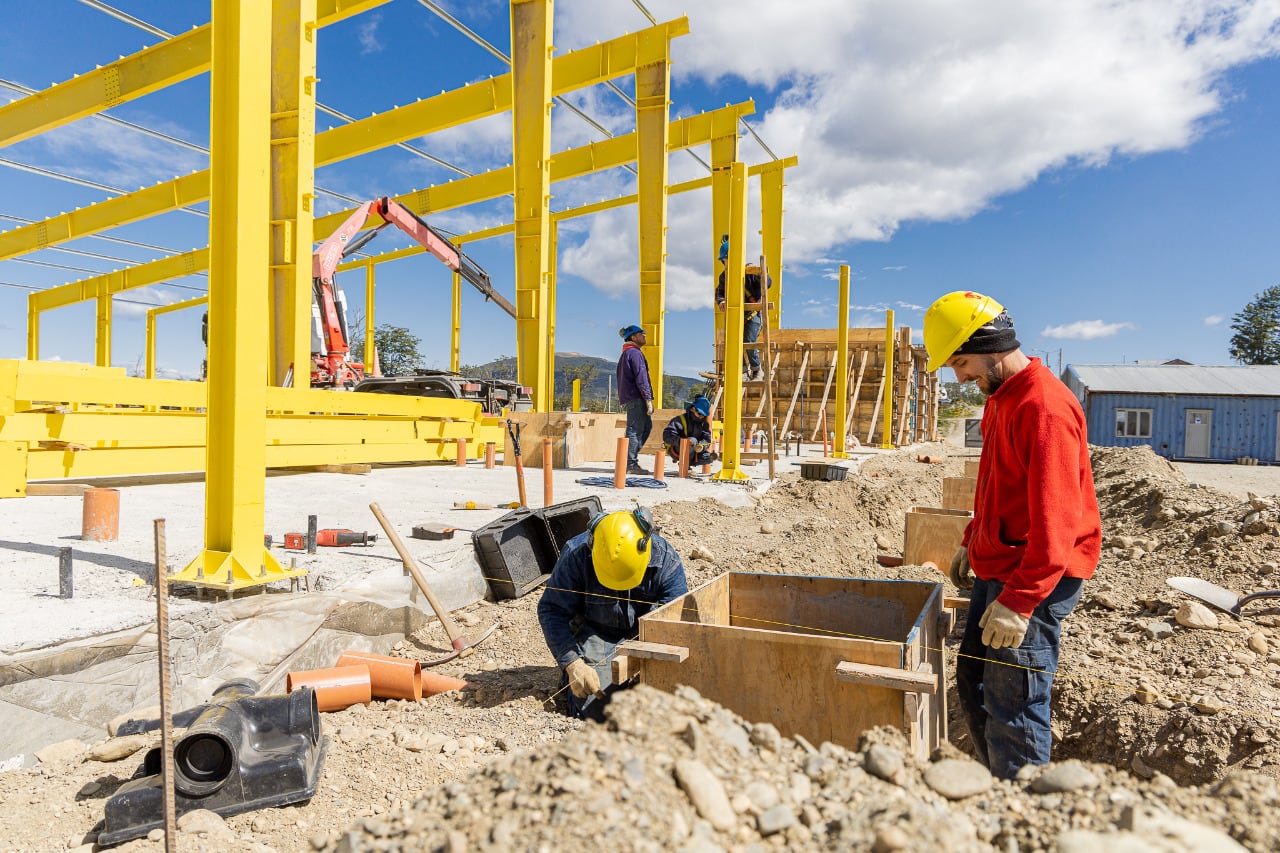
[825, 658]
[971, 468]
[958, 492]
[576, 437]
[933, 534]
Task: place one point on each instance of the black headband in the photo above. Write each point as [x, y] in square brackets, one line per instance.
[996, 336]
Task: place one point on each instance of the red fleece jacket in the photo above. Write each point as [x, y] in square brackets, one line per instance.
[1035, 514]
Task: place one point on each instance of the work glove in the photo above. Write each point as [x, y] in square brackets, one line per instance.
[1001, 627]
[583, 680]
[961, 573]
[648, 406]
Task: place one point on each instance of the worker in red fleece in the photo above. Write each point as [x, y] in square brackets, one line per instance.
[1035, 534]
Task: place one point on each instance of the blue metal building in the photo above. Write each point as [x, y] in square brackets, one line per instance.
[1192, 412]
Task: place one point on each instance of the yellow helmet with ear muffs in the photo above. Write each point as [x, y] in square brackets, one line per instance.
[620, 547]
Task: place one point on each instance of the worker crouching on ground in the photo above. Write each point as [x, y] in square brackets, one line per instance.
[695, 425]
[1035, 534]
[635, 393]
[752, 321]
[604, 581]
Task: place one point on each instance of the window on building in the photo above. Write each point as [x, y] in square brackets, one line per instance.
[1133, 423]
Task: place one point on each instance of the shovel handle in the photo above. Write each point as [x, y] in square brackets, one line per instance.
[455, 636]
[1269, 593]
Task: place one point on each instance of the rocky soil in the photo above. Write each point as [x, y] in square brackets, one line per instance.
[1167, 723]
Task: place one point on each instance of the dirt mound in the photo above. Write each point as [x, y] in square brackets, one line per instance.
[683, 773]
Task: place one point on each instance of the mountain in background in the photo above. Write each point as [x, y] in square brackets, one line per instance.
[598, 377]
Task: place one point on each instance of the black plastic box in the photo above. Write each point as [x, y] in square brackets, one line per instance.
[566, 520]
[822, 471]
[516, 552]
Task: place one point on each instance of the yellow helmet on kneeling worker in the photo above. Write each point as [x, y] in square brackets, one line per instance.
[965, 321]
[620, 548]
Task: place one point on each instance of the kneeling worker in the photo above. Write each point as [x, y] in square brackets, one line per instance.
[695, 425]
[604, 581]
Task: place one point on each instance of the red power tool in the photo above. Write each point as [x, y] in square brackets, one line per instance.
[329, 538]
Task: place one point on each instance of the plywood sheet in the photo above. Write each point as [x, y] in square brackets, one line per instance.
[958, 492]
[933, 534]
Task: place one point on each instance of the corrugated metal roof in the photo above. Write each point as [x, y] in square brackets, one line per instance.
[1227, 380]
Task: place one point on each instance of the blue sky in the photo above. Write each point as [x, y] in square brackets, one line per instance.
[1108, 171]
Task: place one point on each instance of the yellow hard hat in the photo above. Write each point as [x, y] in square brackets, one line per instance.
[620, 549]
[952, 319]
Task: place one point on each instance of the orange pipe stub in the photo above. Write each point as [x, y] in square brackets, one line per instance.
[336, 689]
[389, 678]
[100, 520]
[434, 682]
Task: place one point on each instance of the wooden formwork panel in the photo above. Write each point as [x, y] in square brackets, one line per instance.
[971, 468]
[933, 534]
[783, 648]
[958, 492]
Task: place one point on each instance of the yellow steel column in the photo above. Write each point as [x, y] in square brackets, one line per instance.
[842, 366]
[240, 252]
[531, 160]
[886, 439]
[575, 402]
[724, 152]
[653, 83]
[731, 444]
[553, 244]
[33, 330]
[151, 344]
[293, 159]
[455, 324]
[102, 335]
[370, 349]
[771, 236]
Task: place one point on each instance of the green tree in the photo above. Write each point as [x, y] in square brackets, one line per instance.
[397, 349]
[673, 392]
[1257, 330]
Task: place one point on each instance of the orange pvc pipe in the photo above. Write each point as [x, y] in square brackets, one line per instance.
[100, 519]
[389, 678]
[620, 464]
[462, 453]
[684, 458]
[434, 682]
[337, 688]
[548, 486]
[489, 451]
[660, 465]
[826, 449]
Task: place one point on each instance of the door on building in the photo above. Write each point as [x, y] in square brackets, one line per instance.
[1277, 456]
[1199, 427]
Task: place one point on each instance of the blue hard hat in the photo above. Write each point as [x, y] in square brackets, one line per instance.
[701, 405]
[724, 248]
[627, 332]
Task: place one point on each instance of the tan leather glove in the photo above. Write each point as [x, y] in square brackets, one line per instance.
[648, 406]
[1001, 627]
[961, 574]
[583, 680]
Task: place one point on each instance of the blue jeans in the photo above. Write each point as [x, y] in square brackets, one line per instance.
[639, 425]
[751, 324]
[598, 653]
[1005, 693]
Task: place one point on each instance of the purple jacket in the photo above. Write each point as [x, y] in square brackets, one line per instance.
[633, 375]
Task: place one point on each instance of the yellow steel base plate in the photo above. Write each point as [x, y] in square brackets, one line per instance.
[222, 571]
[732, 474]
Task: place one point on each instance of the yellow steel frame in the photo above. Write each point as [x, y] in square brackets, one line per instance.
[152, 313]
[890, 355]
[771, 185]
[553, 243]
[239, 249]
[842, 366]
[730, 446]
[531, 165]
[653, 83]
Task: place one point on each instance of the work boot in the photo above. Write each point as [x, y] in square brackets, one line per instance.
[634, 468]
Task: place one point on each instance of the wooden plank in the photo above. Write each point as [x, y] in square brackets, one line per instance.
[971, 468]
[654, 651]
[958, 492]
[826, 391]
[48, 490]
[955, 602]
[757, 455]
[857, 389]
[875, 412]
[884, 676]
[707, 604]
[795, 394]
[622, 668]
[933, 534]
[345, 468]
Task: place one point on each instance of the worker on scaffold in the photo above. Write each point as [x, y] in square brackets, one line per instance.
[752, 319]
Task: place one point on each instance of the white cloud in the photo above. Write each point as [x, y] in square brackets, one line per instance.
[1214, 319]
[906, 110]
[367, 34]
[908, 306]
[899, 268]
[1084, 330]
[106, 153]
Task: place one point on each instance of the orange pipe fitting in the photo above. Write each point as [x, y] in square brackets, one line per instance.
[620, 464]
[684, 458]
[337, 688]
[660, 465]
[462, 453]
[434, 682]
[100, 519]
[389, 678]
[489, 451]
[548, 486]
[933, 460]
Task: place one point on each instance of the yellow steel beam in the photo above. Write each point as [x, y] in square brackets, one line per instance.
[842, 367]
[239, 253]
[370, 344]
[731, 445]
[886, 437]
[724, 152]
[455, 323]
[531, 172]
[553, 243]
[33, 330]
[150, 69]
[653, 82]
[293, 142]
[102, 330]
[576, 70]
[771, 184]
[152, 313]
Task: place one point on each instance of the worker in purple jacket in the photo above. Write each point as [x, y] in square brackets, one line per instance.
[635, 394]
